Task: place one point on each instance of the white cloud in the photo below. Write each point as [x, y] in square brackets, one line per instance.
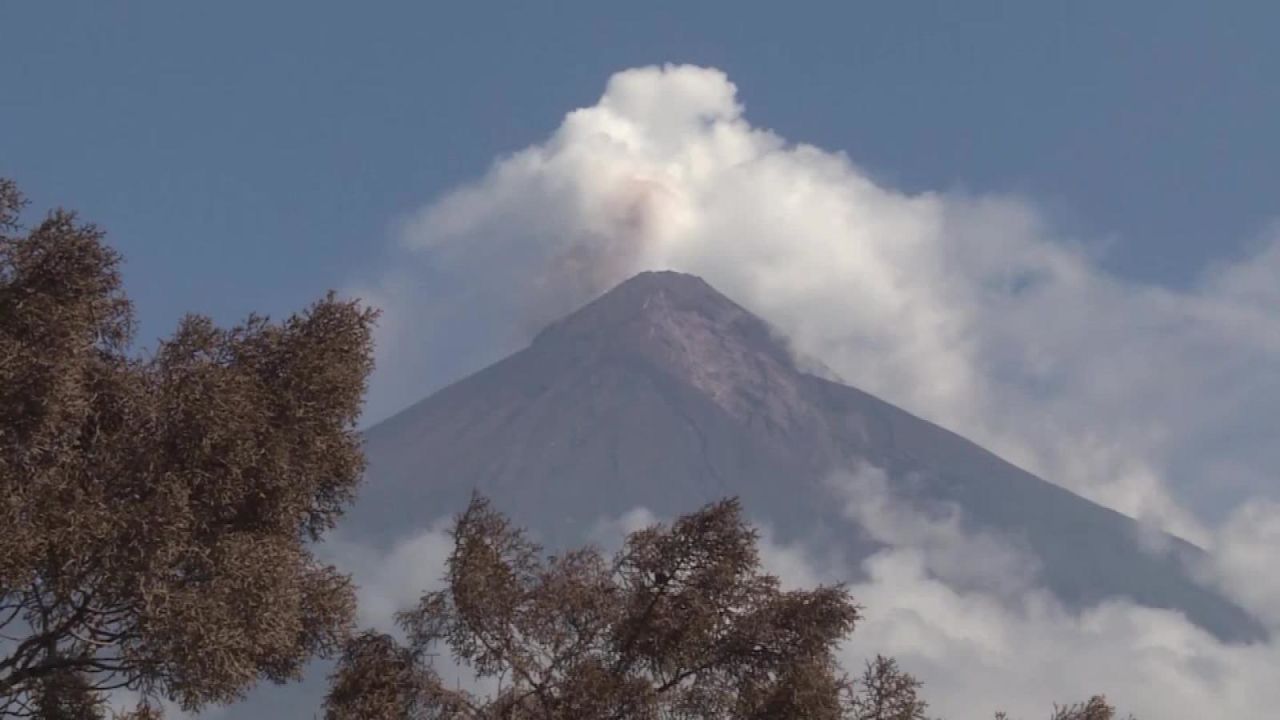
[1009, 644]
[1245, 556]
[963, 559]
[977, 652]
[608, 533]
[389, 580]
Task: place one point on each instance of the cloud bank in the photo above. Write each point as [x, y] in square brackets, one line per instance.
[1011, 645]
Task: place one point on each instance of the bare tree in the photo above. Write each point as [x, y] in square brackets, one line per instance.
[885, 692]
[65, 695]
[1096, 708]
[157, 510]
[681, 623]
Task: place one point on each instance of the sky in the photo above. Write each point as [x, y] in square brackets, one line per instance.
[247, 156]
[1054, 230]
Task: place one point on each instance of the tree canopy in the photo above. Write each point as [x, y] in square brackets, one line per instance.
[680, 623]
[157, 509]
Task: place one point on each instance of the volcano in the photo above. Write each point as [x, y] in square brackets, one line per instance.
[664, 394]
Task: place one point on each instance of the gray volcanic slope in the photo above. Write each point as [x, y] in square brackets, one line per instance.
[664, 394]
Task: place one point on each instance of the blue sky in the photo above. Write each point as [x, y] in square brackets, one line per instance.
[250, 155]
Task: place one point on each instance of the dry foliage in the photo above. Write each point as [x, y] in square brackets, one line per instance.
[1096, 708]
[885, 692]
[681, 623]
[156, 510]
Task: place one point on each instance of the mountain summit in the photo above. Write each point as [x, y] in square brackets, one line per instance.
[664, 394]
[679, 326]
